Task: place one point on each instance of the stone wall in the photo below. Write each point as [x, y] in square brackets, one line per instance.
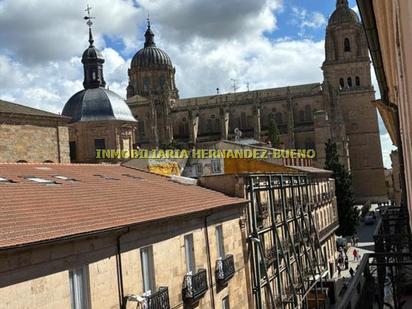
[34, 142]
[38, 277]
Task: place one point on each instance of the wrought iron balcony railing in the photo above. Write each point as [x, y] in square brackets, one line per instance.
[270, 256]
[194, 285]
[225, 269]
[158, 300]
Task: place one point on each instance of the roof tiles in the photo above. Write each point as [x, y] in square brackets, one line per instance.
[33, 212]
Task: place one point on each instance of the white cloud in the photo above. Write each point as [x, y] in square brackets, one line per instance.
[307, 20]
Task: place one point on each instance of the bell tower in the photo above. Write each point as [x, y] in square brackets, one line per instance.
[347, 73]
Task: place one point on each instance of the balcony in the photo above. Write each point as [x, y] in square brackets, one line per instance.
[328, 230]
[270, 256]
[194, 286]
[225, 269]
[158, 300]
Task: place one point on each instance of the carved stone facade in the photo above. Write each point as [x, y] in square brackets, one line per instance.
[339, 108]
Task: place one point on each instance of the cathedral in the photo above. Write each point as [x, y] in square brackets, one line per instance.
[339, 108]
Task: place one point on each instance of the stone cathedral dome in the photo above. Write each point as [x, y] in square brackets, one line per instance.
[150, 55]
[343, 14]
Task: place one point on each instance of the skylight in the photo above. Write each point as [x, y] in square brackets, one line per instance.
[65, 178]
[41, 180]
[106, 177]
[5, 180]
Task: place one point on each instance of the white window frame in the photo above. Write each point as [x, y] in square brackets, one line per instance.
[147, 267]
[80, 287]
[190, 253]
[216, 166]
[220, 242]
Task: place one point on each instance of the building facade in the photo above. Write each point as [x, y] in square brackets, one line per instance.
[32, 135]
[168, 245]
[308, 115]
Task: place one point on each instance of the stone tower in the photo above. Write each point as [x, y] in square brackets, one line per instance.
[99, 118]
[152, 76]
[347, 72]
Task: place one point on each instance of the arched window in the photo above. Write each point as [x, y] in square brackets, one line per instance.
[308, 113]
[357, 81]
[278, 118]
[341, 83]
[349, 82]
[301, 116]
[209, 126]
[347, 45]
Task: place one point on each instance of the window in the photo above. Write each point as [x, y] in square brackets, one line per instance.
[146, 259]
[301, 116]
[72, 147]
[349, 82]
[142, 132]
[278, 118]
[219, 242]
[216, 166]
[80, 287]
[243, 120]
[94, 75]
[99, 144]
[145, 84]
[199, 168]
[341, 83]
[357, 81]
[209, 126]
[225, 302]
[190, 254]
[308, 113]
[347, 45]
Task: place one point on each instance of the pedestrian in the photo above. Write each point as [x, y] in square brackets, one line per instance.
[355, 254]
[339, 270]
[351, 271]
[355, 239]
[346, 262]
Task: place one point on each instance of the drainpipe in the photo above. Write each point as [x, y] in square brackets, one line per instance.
[209, 264]
[122, 301]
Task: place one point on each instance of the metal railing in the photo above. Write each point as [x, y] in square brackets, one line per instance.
[158, 300]
[194, 285]
[225, 269]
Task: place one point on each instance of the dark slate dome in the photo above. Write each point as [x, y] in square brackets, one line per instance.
[343, 14]
[150, 55]
[92, 53]
[97, 104]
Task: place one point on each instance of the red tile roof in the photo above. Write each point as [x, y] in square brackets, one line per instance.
[33, 212]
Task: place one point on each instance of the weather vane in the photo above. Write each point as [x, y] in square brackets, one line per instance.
[148, 20]
[88, 17]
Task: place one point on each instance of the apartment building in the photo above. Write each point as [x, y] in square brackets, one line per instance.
[292, 219]
[107, 236]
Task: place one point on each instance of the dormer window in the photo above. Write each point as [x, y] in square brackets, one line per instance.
[347, 45]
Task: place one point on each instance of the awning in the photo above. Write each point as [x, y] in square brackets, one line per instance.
[388, 114]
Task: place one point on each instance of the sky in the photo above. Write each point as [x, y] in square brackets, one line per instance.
[265, 43]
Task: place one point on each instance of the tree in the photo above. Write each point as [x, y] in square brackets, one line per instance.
[274, 134]
[348, 215]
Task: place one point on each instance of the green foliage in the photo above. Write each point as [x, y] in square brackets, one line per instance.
[274, 134]
[348, 214]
